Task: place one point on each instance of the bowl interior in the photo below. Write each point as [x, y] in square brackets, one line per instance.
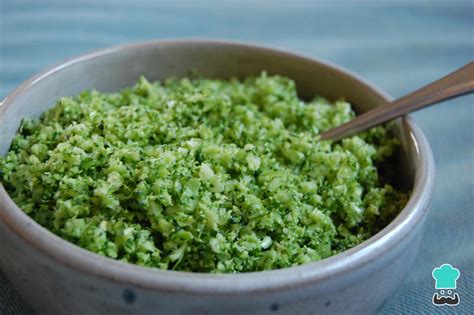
[116, 68]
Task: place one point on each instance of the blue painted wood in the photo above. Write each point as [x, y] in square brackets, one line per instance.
[399, 45]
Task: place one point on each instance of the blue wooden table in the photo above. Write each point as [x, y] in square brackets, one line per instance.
[398, 45]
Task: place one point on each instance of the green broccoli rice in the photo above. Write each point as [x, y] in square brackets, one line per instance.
[203, 175]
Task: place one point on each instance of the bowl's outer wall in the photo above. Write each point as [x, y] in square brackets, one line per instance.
[51, 286]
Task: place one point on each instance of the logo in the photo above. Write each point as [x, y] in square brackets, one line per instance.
[445, 283]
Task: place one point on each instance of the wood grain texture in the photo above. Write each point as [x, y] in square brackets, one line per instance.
[398, 45]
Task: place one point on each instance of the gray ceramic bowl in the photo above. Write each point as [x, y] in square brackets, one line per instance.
[55, 276]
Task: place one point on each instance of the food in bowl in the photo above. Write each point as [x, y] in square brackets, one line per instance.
[203, 175]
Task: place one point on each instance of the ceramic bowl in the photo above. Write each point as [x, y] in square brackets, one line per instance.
[55, 276]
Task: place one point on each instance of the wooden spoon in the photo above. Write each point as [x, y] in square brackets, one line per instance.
[458, 83]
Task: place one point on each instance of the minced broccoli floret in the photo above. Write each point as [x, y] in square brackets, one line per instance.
[202, 175]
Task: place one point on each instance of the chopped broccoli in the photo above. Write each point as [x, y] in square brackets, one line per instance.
[202, 175]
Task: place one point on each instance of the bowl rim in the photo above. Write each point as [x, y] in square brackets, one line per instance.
[76, 258]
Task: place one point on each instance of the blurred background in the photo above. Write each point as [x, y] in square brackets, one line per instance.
[397, 45]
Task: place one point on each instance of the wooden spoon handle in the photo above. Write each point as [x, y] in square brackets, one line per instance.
[458, 83]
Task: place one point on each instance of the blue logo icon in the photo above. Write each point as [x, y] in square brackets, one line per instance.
[445, 282]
